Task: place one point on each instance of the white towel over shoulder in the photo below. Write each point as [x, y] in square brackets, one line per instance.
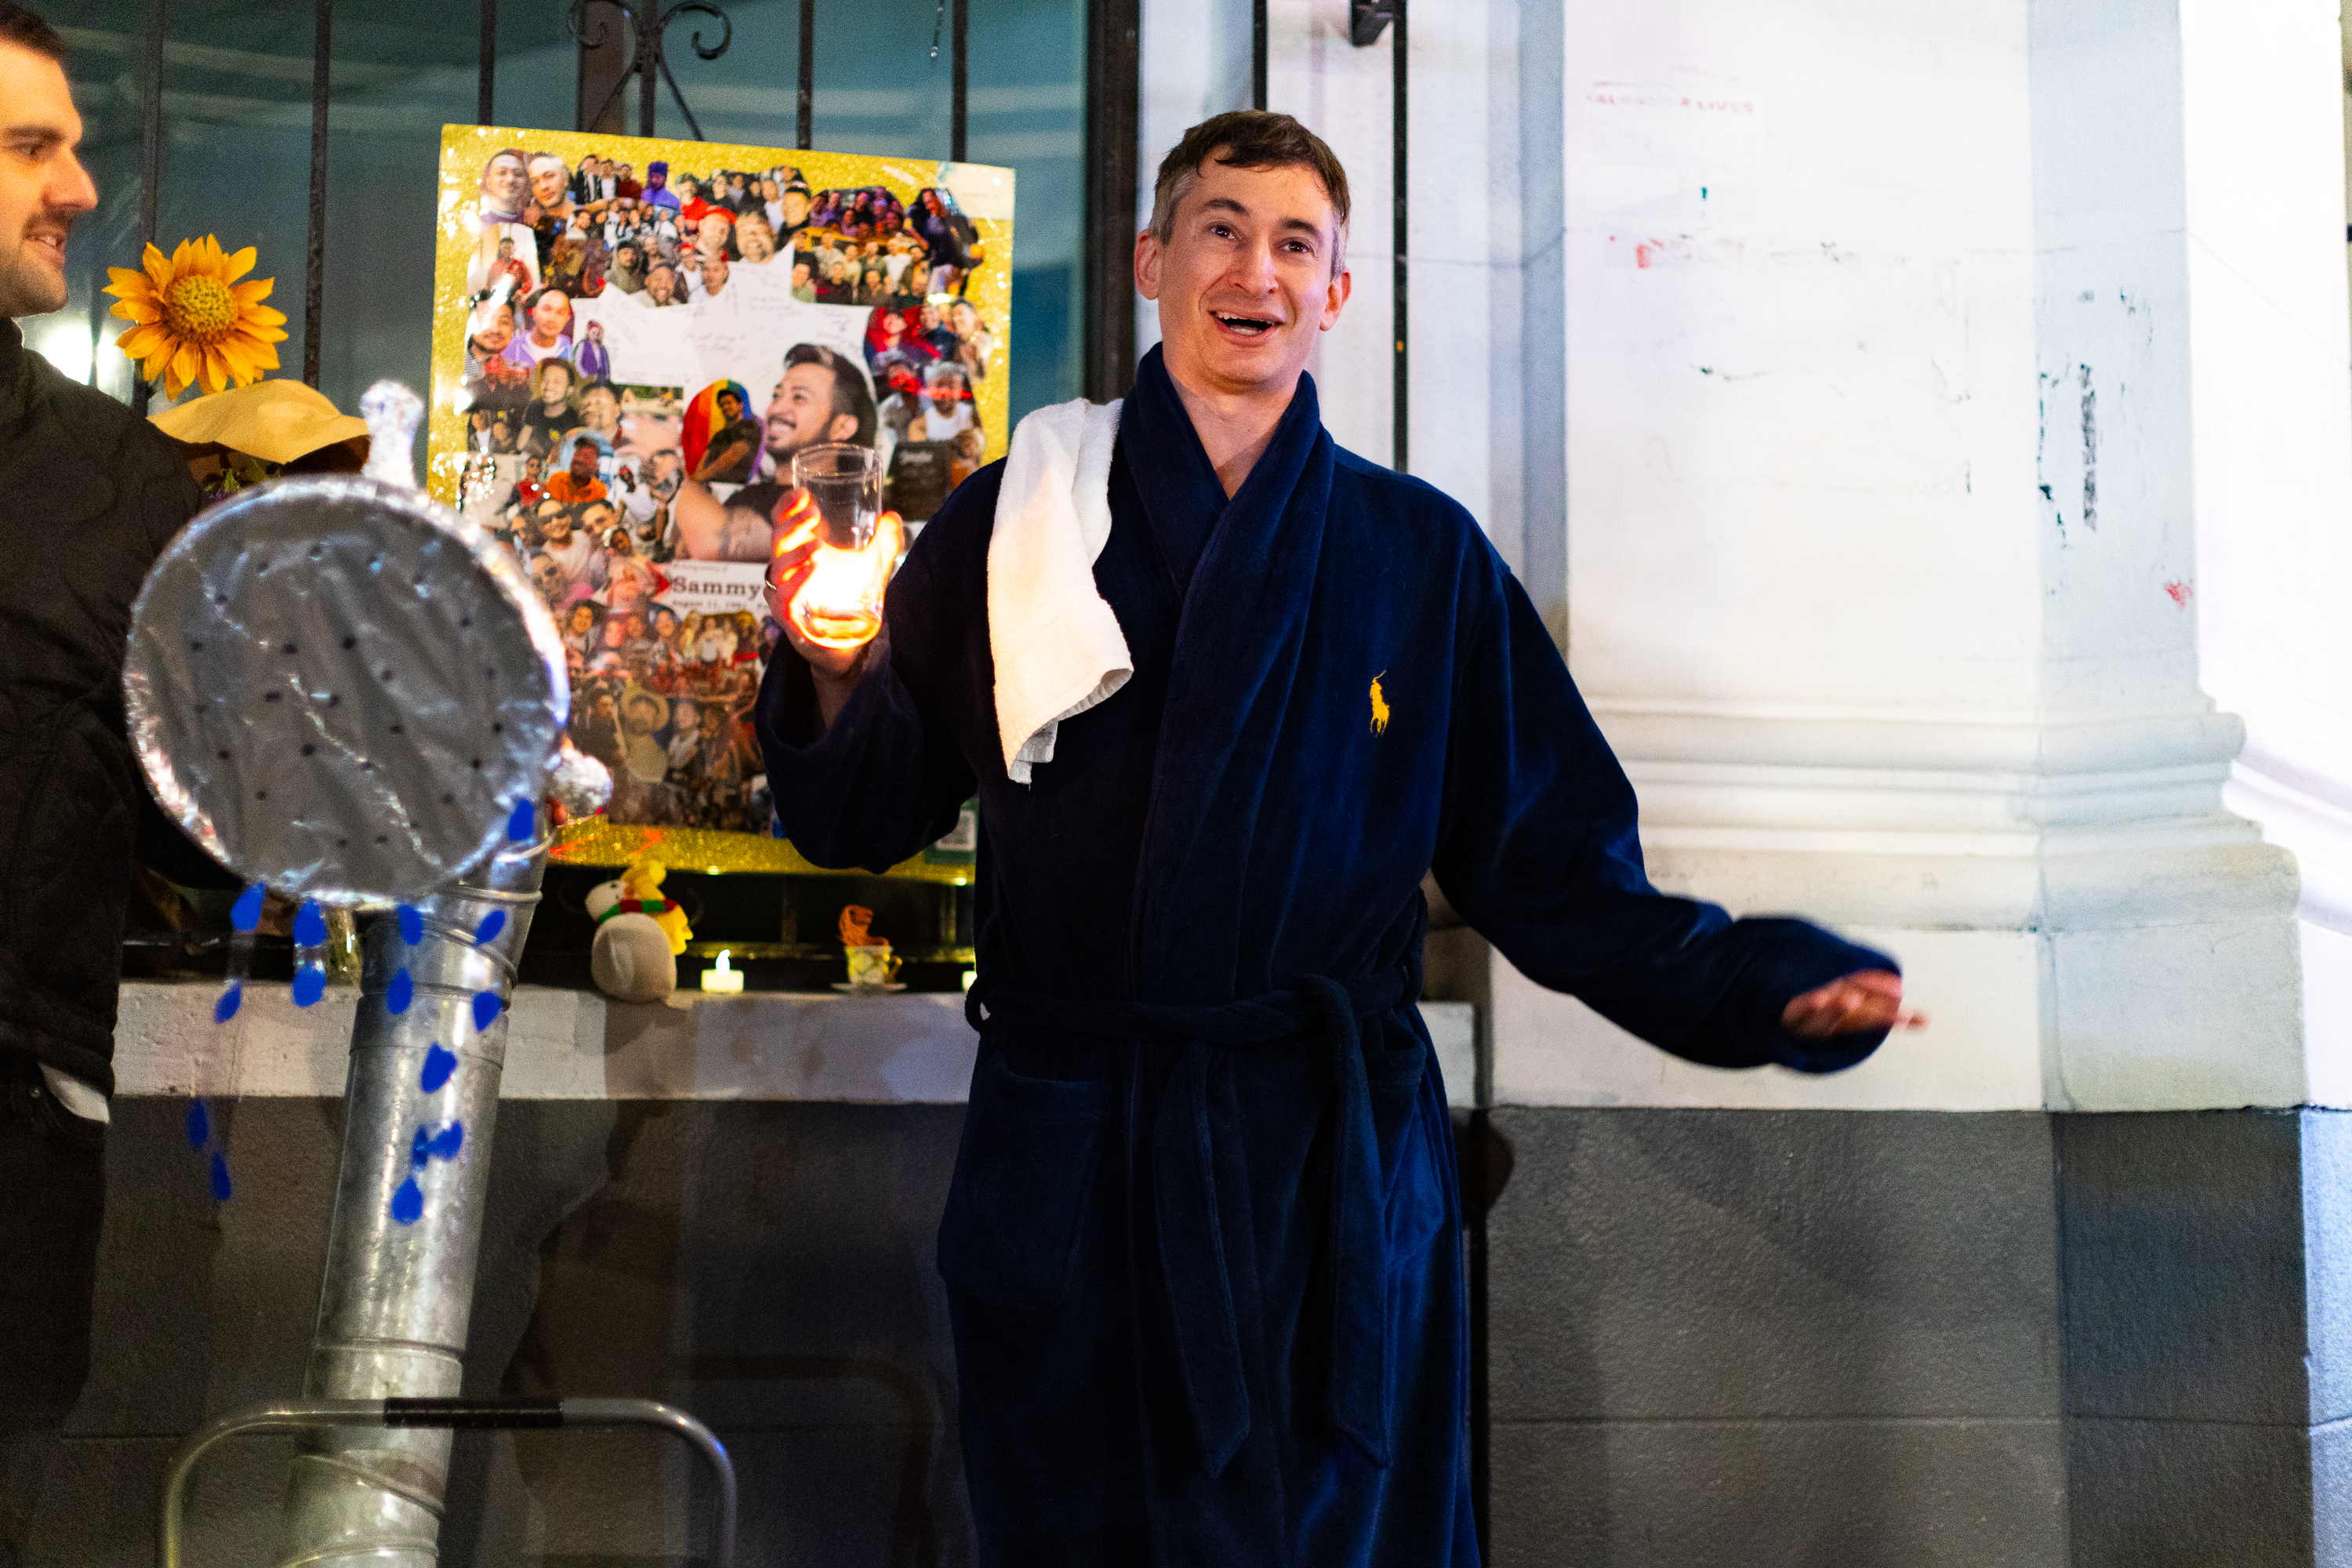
[1057, 647]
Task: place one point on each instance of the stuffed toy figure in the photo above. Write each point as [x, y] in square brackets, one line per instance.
[639, 934]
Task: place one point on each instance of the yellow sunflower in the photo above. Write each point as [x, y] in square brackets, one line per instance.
[192, 320]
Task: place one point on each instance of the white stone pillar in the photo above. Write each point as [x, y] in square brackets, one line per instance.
[2263, 125]
[1886, 418]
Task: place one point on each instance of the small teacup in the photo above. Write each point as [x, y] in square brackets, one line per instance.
[872, 968]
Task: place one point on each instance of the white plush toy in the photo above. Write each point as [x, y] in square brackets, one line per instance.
[639, 934]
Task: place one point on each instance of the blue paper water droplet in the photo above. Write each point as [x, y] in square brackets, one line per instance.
[220, 1177]
[246, 915]
[441, 1145]
[400, 993]
[775, 827]
[310, 985]
[486, 1009]
[199, 1125]
[524, 823]
[408, 1203]
[231, 998]
[412, 924]
[488, 932]
[439, 1065]
[309, 924]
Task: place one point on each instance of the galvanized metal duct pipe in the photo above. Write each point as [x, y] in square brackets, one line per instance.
[419, 1110]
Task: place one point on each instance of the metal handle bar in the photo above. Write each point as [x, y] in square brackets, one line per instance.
[461, 1414]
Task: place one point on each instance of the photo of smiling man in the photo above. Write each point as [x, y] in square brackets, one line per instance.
[822, 397]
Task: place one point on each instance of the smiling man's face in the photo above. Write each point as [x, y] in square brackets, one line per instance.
[503, 181]
[800, 412]
[494, 328]
[550, 182]
[1246, 279]
[43, 186]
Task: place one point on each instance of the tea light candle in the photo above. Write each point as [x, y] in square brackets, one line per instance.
[720, 979]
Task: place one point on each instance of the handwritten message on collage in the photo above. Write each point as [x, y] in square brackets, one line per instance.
[630, 339]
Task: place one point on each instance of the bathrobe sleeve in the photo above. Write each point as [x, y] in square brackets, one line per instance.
[886, 777]
[1538, 851]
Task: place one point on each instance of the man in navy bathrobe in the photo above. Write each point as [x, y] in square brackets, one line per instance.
[1201, 1246]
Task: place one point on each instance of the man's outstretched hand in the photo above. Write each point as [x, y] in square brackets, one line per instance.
[1860, 1004]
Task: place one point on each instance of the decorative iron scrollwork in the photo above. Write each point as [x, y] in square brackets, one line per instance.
[647, 21]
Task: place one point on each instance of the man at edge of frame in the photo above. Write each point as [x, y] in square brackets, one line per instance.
[1200, 1248]
[93, 494]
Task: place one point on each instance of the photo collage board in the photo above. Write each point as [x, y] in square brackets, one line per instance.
[631, 339]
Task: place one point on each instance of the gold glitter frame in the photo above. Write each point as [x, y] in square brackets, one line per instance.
[466, 148]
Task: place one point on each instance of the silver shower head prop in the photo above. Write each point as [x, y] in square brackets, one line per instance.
[341, 688]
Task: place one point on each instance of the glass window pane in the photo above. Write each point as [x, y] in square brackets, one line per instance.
[105, 45]
[236, 116]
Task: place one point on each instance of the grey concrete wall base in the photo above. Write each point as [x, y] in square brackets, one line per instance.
[2206, 1320]
[1775, 1340]
[1918, 1338]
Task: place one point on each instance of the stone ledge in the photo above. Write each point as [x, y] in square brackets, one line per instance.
[909, 1048]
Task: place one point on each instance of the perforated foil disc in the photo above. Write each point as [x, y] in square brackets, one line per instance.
[339, 692]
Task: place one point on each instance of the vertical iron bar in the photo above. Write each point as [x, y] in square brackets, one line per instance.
[1258, 54]
[151, 164]
[1401, 405]
[648, 20]
[486, 80]
[808, 76]
[604, 72]
[1113, 110]
[961, 54]
[314, 280]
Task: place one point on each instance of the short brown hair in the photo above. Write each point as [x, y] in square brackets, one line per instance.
[29, 29]
[1249, 138]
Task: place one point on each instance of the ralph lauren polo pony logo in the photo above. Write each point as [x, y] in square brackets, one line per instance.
[1380, 707]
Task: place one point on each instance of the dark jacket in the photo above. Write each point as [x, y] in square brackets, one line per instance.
[89, 494]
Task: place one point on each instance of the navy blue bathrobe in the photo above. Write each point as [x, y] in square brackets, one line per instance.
[1201, 1245]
